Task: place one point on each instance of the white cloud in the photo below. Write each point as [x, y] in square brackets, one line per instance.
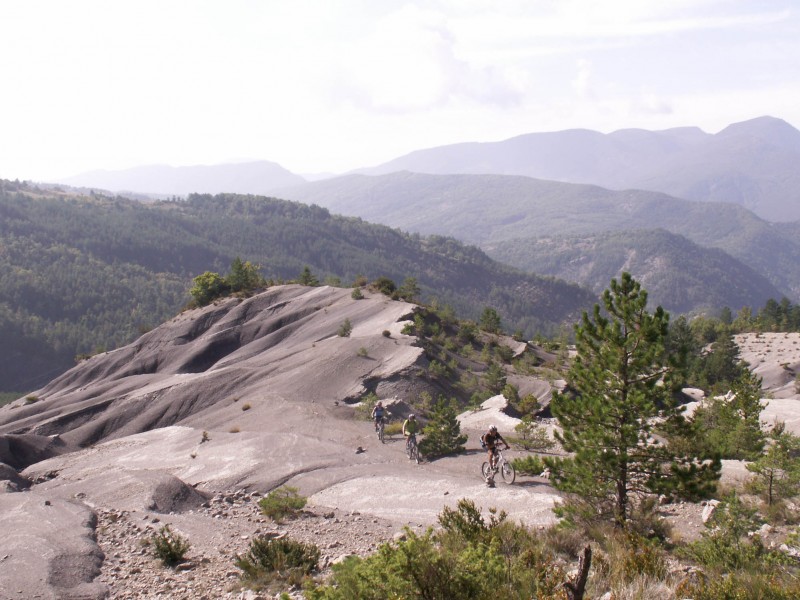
[339, 84]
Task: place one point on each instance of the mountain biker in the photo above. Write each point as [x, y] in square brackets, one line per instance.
[489, 441]
[377, 413]
[410, 428]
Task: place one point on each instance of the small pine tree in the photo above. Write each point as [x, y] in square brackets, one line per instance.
[443, 432]
[777, 471]
[409, 289]
[730, 425]
[244, 276]
[307, 278]
[345, 329]
[490, 320]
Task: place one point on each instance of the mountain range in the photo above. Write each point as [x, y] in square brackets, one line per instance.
[753, 164]
[737, 191]
[508, 216]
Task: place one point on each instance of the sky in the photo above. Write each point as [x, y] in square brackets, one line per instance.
[327, 86]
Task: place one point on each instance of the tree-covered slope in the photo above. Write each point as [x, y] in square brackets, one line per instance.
[491, 209]
[79, 273]
[679, 275]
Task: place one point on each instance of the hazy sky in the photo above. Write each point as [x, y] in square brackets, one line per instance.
[332, 85]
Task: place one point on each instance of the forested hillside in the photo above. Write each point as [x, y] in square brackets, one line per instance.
[680, 275]
[492, 210]
[80, 274]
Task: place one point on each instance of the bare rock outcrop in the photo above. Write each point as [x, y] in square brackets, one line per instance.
[48, 548]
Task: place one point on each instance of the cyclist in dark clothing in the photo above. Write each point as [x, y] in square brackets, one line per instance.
[489, 441]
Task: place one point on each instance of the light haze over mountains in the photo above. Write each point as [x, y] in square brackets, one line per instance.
[737, 191]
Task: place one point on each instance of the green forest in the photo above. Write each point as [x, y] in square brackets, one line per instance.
[84, 274]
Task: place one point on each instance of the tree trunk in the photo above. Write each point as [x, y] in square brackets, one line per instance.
[576, 587]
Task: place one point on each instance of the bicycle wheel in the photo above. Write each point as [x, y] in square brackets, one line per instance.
[508, 472]
[486, 470]
[380, 432]
[415, 453]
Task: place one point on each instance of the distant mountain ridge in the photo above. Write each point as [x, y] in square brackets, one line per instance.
[257, 177]
[495, 210]
[753, 163]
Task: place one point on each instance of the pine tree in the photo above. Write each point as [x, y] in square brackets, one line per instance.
[777, 471]
[443, 432]
[731, 424]
[621, 383]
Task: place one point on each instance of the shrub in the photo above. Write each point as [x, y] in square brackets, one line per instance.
[169, 547]
[385, 285]
[345, 329]
[437, 369]
[270, 559]
[387, 333]
[208, 287]
[726, 545]
[468, 558]
[740, 586]
[504, 353]
[395, 428]
[530, 465]
[246, 406]
[363, 352]
[31, 399]
[356, 294]
[281, 503]
[532, 436]
[204, 437]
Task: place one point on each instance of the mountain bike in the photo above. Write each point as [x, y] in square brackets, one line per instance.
[501, 464]
[381, 426]
[412, 450]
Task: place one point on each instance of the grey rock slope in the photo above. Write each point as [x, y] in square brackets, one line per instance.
[239, 397]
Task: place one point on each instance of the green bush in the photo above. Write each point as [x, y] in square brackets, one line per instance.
[740, 586]
[727, 544]
[530, 465]
[468, 558]
[345, 329]
[283, 559]
[532, 436]
[282, 503]
[169, 547]
[395, 428]
[356, 294]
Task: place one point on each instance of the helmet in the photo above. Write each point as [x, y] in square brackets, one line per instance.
[412, 416]
[493, 428]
